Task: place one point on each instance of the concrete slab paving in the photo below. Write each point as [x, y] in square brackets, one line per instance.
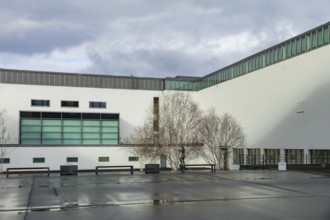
[169, 195]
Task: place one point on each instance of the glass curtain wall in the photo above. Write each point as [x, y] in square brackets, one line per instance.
[69, 129]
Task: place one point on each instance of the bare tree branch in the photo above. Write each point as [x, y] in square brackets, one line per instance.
[220, 136]
[179, 119]
[4, 139]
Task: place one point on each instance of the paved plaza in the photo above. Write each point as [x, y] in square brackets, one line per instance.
[168, 195]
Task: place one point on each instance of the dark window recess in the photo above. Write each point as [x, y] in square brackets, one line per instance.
[52, 115]
[74, 104]
[133, 158]
[38, 160]
[35, 102]
[104, 159]
[72, 115]
[72, 159]
[30, 114]
[4, 160]
[97, 104]
[109, 116]
[90, 116]
[67, 115]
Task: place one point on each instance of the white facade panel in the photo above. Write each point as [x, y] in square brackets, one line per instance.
[282, 106]
[130, 104]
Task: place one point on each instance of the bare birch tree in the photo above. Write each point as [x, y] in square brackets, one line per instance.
[4, 139]
[220, 136]
[179, 118]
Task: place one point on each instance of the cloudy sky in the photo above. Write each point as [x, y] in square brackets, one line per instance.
[153, 38]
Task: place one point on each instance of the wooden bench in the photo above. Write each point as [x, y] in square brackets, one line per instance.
[212, 166]
[26, 170]
[110, 167]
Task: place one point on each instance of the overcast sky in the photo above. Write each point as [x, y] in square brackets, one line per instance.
[156, 38]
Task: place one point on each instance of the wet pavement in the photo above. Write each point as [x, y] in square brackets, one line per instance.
[168, 195]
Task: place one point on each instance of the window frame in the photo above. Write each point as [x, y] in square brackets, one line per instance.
[69, 104]
[40, 103]
[94, 104]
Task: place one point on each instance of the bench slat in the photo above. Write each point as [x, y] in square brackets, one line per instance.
[22, 169]
[108, 167]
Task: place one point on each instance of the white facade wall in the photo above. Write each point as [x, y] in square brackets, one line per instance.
[130, 104]
[266, 103]
[283, 106]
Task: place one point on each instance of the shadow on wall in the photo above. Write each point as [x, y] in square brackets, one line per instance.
[306, 126]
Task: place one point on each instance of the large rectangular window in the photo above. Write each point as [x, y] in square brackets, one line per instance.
[238, 156]
[97, 104]
[272, 156]
[38, 102]
[72, 104]
[319, 156]
[253, 156]
[294, 156]
[58, 128]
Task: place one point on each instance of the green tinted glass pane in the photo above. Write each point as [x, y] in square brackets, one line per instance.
[30, 122]
[30, 141]
[294, 48]
[319, 37]
[104, 159]
[38, 160]
[91, 123]
[52, 122]
[303, 44]
[71, 129]
[276, 55]
[72, 159]
[272, 56]
[110, 136]
[91, 129]
[51, 135]
[110, 123]
[91, 141]
[288, 50]
[314, 39]
[133, 158]
[284, 52]
[110, 130]
[326, 35]
[91, 136]
[30, 129]
[51, 129]
[51, 141]
[298, 46]
[110, 141]
[30, 135]
[71, 122]
[71, 141]
[72, 135]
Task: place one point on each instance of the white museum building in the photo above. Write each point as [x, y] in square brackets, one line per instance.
[279, 95]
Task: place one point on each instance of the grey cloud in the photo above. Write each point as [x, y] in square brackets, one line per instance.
[159, 62]
[153, 38]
